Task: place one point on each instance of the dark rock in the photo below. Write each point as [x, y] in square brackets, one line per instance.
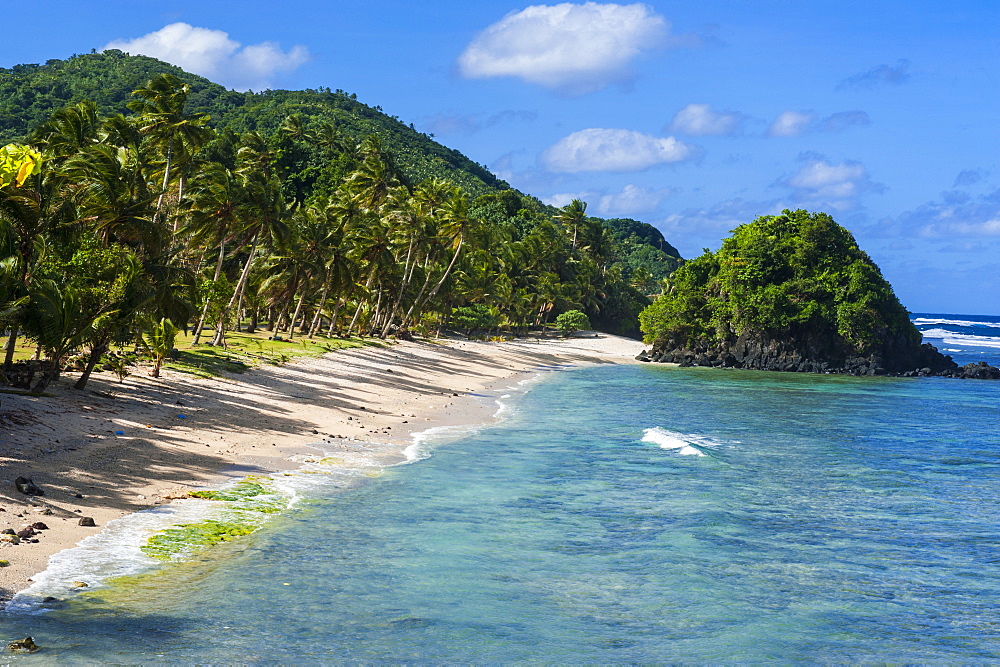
[8, 531]
[38, 525]
[27, 487]
[87, 521]
[23, 645]
[810, 352]
[978, 371]
[25, 533]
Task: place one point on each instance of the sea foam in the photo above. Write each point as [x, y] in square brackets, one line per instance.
[925, 321]
[684, 444]
[971, 340]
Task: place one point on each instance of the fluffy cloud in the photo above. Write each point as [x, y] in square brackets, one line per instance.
[598, 149]
[692, 229]
[791, 124]
[951, 216]
[835, 185]
[877, 77]
[795, 123]
[573, 49]
[700, 120]
[212, 54]
[632, 201]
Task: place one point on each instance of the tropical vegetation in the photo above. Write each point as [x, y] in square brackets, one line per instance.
[791, 276]
[128, 229]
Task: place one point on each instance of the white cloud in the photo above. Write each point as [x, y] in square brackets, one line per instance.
[791, 123]
[977, 217]
[795, 123]
[700, 120]
[564, 198]
[212, 54]
[573, 49]
[599, 149]
[834, 185]
[632, 200]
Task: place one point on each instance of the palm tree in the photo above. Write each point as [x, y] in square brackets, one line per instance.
[159, 340]
[160, 107]
[573, 216]
[59, 322]
[220, 206]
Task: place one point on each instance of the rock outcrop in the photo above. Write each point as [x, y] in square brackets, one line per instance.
[767, 354]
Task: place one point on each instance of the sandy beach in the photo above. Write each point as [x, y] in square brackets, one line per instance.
[117, 448]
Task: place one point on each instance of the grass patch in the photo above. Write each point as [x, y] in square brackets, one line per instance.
[244, 351]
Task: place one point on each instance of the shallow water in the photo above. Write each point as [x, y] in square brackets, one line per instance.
[825, 519]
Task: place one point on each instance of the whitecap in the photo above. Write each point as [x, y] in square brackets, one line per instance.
[684, 444]
[968, 340]
[925, 321]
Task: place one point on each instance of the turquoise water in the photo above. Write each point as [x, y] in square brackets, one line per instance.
[777, 517]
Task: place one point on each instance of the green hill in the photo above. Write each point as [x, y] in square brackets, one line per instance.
[30, 93]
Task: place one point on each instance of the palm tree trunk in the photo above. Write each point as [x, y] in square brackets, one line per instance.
[319, 310]
[430, 295]
[96, 353]
[166, 180]
[368, 285]
[220, 332]
[295, 317]
[8, 359]
[204, 310]
[333, 317]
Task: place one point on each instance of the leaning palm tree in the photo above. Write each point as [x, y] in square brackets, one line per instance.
[58, 321]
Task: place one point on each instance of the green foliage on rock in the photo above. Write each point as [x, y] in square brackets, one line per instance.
[793, 275]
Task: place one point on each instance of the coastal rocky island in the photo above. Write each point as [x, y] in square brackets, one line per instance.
[791, 292]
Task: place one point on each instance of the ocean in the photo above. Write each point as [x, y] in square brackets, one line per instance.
[625, 513]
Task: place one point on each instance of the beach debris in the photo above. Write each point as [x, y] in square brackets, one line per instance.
[27, 644]
[4, 563]
[119, 432]
[80, 584]
[182, 416]
[10, 539]
[27, 487]
[87, 521]
[38, 525]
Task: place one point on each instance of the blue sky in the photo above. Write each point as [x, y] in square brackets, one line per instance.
[692, 116]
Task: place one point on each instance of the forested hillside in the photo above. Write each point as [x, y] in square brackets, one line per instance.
[29, 94]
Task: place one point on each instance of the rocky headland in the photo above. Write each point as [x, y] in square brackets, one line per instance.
[791, 292]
